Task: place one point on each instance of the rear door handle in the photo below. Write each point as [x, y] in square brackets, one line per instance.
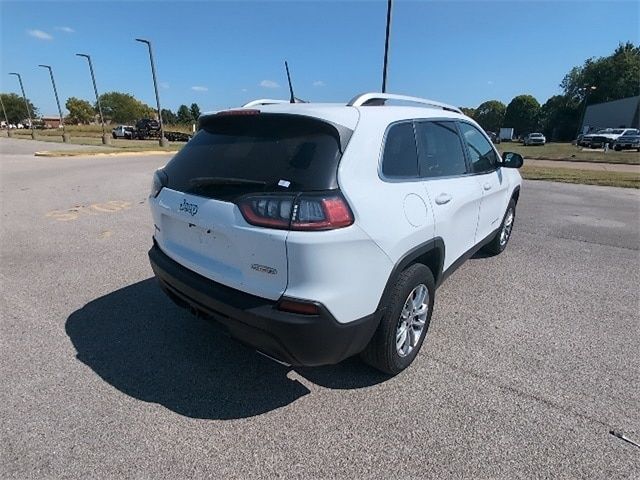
[487, 186]
[443, 198]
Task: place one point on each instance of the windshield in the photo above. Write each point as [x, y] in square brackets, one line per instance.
[236, 154]
[535, 135]
[617, 131]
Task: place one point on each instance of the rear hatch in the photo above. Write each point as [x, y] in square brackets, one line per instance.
[233, 155]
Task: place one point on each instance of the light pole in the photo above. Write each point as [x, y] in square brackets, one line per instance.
[6, 119]
[386, 47]
[106, 139]
[26, 104]
[163, 141]
[586, 89]
[65, 137]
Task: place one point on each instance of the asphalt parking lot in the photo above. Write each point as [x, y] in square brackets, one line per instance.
[531, 359]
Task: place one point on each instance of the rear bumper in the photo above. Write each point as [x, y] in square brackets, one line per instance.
[301, 340]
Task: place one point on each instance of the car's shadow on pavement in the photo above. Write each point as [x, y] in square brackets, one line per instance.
[137, 340]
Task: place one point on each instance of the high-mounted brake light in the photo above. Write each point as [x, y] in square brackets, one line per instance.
[297, 212]
[238, 112]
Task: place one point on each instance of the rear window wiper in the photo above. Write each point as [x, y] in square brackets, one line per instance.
[204, 181]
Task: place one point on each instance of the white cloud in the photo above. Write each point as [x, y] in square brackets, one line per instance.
[164, 85]
[319, 83]
[40, 35]
[490, 82]
[244, 90]
[268, 84]
[199, 88]
[66, 29]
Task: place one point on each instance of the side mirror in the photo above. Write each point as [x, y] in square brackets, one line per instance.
[512, 160]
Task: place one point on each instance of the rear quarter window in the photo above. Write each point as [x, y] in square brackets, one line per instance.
[400, 156]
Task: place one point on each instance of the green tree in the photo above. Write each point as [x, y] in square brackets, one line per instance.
[195, 111]
[168, 117]
[80, 111]
[184, 115]
[559, 117]
[490, 115]
[614, 77]
[124, 108]
[522, 114]
[469, 112]
[14, 106]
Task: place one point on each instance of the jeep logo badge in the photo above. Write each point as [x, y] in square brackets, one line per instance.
[190, 208]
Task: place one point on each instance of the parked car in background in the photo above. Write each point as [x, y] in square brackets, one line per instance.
[628, 141]
[606, 136]
[534, 139]
[122, 131]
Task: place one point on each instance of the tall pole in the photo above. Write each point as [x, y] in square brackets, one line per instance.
[6, 118]
[587, 89]
[65, 137]
[163, 141]
[386, 47]
[26, 104]
[106, 139]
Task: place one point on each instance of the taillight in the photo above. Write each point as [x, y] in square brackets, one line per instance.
[159, 181]
[297, 212]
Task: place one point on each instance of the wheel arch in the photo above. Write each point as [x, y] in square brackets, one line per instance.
[430, 254]
[515, 196]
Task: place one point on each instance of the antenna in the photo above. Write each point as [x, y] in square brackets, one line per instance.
[293, 98]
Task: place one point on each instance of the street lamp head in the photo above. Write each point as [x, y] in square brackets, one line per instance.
[82, 55]
[45, 66]
[142, 40]
[14, 73]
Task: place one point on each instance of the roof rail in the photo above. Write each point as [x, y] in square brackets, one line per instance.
[263, 101]
[373, 98]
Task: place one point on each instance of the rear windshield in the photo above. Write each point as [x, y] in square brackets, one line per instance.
[233, 155]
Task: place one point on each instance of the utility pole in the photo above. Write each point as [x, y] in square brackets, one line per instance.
[26, 104]
[6, 119]
[106, 139]
[386, 47]
[163, 141]
[65, 137]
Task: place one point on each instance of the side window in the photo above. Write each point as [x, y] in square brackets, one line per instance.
[440, 150]
[483, 157]
[400, 158]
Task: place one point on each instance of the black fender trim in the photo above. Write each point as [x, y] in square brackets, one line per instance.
[434, 246]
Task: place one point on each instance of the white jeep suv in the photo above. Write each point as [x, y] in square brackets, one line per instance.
[315, 232]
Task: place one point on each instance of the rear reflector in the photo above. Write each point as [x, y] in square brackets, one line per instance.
[302, 308]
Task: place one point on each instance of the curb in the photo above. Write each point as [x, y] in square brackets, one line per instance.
[89, 153]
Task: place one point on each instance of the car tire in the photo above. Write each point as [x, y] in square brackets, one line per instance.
[499, 242]
[114, 136]
[403, 327]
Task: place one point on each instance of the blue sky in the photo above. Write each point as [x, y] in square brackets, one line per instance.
[221, 54]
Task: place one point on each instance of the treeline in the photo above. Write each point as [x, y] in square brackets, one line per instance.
[615, 76]
[124, 108]
[117, 107]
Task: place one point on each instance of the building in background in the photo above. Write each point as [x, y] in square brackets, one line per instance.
[51, 122]
[616, 114]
